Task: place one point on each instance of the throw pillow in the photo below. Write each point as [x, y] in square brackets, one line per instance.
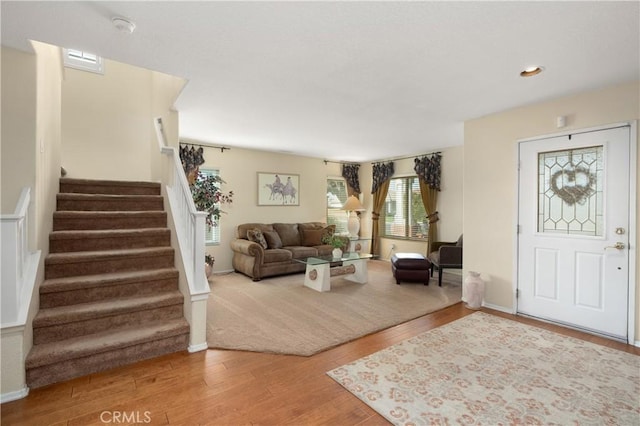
[327, 232]
[273, 239]
[311, 237]
[255, 235]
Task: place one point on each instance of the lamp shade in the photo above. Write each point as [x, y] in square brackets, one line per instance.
[353, 204]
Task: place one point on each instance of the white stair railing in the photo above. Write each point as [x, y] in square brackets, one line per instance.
[189, 223]
[19, 266]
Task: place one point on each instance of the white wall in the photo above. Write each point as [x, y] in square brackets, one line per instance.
[490, 192]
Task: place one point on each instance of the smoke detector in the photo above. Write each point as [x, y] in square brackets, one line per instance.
[123, 24]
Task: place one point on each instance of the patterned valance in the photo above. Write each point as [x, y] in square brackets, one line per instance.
[427, 168]
[350, 174]
[381, 173]
[191, 158]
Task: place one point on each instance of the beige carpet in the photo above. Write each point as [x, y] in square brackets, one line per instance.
[281, 315]
[486, 370]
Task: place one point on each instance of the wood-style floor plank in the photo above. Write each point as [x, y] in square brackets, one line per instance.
[223, 387]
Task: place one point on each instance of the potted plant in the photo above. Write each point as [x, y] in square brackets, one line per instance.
[335, 241]
[208, 197]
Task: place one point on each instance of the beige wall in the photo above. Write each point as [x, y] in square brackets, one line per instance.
[106, 124]
[449, 202]
[31, 105]
[18, 125]
[165, 89]
[239, 167]
[490, 175]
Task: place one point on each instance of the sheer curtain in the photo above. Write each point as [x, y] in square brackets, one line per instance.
[428, 170]
[381, 176]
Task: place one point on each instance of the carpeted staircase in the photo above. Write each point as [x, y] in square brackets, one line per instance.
[110, 295]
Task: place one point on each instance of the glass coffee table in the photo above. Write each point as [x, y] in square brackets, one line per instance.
[320, 269]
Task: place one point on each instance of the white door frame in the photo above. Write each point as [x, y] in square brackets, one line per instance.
[633, 159]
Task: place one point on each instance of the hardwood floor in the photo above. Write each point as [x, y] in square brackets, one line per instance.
[220, 387]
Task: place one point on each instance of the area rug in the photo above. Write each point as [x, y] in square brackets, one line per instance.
[483, 369]
[281, 315]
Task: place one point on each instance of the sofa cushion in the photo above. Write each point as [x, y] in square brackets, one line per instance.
[273, 239]
[276, 255]
[312, 237]
[289, 234]
[298, 252]
[256, 236]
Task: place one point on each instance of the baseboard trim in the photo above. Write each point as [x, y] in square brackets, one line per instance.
[498, 308]
[197, 348]
[224, 272]
[13, 396]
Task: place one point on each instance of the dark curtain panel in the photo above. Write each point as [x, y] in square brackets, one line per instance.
[192, 158]
[350, 174]
[382, 173]
[428, 170]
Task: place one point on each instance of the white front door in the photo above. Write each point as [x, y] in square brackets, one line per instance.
[573, 215]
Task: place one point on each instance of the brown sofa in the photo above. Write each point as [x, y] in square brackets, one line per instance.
[259, 258]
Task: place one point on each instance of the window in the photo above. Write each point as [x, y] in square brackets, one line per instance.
[212, 233]
[336, 197]
[84, 61]
[404, 214]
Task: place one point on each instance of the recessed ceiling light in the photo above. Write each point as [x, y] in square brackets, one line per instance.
[123, 24]
[531, 71]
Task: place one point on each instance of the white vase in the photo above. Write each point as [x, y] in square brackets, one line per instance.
[336, 253]
[474, 290]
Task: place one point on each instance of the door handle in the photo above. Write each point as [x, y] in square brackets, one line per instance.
[618, 246]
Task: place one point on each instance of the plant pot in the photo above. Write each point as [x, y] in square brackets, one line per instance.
[208, 270]
[336, 253]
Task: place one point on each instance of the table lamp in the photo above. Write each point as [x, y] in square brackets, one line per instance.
[352, 206]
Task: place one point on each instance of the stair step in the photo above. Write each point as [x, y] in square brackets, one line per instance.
[79, 220]
[63, 360]
[60, 265]
[106, 239]
[108, 202]
[64, 322]
[93, 288]
[87, 186]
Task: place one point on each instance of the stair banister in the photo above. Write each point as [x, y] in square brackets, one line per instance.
[19, 266]
[190, 223]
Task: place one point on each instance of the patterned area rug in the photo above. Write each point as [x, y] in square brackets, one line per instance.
[484, 369]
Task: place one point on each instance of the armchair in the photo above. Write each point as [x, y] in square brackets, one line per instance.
[445, 255]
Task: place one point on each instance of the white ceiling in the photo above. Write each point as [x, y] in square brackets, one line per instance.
[350, 81]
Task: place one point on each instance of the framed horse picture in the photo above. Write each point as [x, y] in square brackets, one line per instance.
[278, 189]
